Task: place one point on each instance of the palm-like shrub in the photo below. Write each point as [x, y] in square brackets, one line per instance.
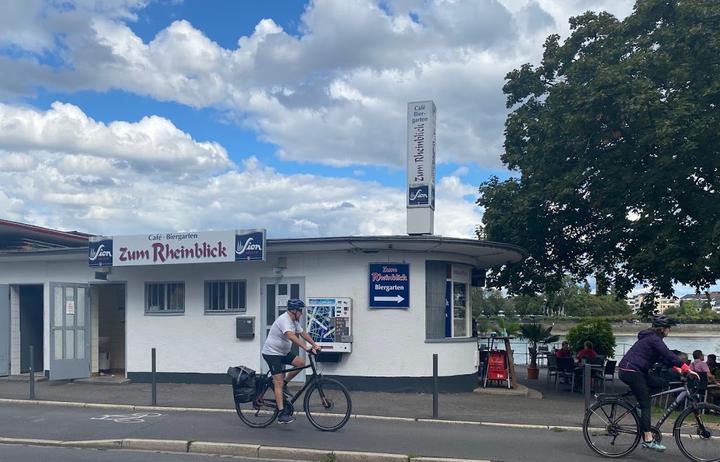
[536, 333]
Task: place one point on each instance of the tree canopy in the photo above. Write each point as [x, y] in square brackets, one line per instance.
[614, 142]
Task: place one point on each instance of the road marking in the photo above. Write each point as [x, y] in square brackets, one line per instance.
[137, 417]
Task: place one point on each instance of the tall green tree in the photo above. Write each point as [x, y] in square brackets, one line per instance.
[614, 141]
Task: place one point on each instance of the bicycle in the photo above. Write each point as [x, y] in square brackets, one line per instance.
[612, 419]
[327, 402]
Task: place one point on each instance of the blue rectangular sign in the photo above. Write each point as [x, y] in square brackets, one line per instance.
[389, 285]
[250, 246]
[100, 253]
[419, 196]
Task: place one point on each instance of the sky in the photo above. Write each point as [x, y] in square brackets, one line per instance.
[134, 116]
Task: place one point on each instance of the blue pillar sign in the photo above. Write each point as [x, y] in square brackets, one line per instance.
[389, 285]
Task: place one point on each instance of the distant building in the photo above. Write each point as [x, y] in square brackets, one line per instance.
[702, 298]
[663, 303]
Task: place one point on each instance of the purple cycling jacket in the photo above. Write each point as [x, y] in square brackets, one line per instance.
[648, 350]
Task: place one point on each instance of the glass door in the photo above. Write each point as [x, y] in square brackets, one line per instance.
[275, 295]
[69, 331]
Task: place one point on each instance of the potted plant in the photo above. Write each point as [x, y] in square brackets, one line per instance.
[536, 333]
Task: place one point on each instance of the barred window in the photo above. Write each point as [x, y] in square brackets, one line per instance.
[225, 296]
[164, 297]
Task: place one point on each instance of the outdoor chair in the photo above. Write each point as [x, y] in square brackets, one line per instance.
[608, 374]
[565, 370]
[552, 366]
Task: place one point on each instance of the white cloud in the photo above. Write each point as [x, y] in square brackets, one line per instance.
[153, 143]
[68, 171]
[336, 93]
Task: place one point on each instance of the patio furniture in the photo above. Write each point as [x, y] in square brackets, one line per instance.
[565, 370]
[552, 367]
[608, 373]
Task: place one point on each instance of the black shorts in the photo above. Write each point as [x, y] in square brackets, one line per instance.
[276, 362]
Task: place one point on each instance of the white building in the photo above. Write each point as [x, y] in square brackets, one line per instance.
[662, 303]
[203, 317]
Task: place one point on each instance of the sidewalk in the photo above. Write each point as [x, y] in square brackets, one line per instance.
[560, 408]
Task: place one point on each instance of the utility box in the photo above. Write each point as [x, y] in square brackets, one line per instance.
[245, 327]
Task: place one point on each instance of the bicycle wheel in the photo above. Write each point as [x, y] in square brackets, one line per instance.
[697, 432]
[260, 412]
[327, 404]
[611, 428]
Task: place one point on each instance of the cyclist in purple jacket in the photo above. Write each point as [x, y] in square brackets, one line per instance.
[648, 350]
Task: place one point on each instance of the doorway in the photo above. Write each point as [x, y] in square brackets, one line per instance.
[31, 327]
[275, 294]
[110, 329]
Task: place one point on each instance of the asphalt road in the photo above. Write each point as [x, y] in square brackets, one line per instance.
[416, 438]
[15, 453]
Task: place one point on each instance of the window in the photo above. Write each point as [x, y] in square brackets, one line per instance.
[225, 296]
[447, 310]
[165, 297]
[460, 310]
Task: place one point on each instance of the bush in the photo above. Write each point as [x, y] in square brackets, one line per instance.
[598, 331]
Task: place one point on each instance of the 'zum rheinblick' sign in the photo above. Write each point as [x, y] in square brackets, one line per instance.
[389, 285]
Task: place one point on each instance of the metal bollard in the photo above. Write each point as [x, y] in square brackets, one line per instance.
[154, 379]
[435, 386]
[587, 386]
[32, 372]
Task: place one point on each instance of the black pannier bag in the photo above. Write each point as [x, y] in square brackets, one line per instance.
[243, 383]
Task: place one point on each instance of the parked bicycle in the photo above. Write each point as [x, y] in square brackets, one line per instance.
[327, 402]
[612, 425]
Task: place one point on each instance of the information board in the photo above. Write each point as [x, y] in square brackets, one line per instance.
[389, 285]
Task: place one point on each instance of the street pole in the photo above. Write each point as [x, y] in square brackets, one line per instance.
[32, 372]
[154, 379]
[435, 386]
[586, 383]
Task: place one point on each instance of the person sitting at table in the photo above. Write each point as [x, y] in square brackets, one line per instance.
[587, 352]
[699, 365]
[564, 351]
[713, 365]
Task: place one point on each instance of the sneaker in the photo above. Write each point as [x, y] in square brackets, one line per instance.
[285, 418]
[654, 445]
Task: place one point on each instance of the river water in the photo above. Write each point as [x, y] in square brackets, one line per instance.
[687, 344]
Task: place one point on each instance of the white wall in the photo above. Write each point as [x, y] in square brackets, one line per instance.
[40, 272]
[387, 342]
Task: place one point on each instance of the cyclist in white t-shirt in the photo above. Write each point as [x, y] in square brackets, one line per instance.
[285, 331]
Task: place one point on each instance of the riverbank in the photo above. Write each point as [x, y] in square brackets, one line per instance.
[624, 328]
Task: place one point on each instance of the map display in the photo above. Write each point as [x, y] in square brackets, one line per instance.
[329, 323]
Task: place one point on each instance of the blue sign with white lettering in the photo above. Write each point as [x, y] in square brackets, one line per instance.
[419, 196]
[250, 246]
[100, 253]
[389, 285]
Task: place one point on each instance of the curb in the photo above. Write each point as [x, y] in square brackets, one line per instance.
[132, 407]
[234, 449]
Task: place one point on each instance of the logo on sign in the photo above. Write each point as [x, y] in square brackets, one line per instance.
[100, 253]
[418, 195]
[249, 246]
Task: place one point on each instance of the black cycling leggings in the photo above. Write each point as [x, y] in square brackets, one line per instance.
[642, 385]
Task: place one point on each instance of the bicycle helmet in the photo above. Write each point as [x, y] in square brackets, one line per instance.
[295, 304]
[660, 320]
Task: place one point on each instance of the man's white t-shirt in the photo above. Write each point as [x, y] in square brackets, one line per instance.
[277, 343]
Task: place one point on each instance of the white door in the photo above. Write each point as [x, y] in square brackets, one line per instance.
[69, 331]
[4, 330]
[275, 293]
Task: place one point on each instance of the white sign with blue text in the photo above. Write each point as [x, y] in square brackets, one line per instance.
[389, 285]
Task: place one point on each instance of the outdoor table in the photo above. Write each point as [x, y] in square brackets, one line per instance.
[580, 367]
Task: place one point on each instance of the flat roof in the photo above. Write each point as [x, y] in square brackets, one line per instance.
[485, 253]
[16, 236]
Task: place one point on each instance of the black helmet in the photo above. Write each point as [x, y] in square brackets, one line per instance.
[660, 320]
[295, 304]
